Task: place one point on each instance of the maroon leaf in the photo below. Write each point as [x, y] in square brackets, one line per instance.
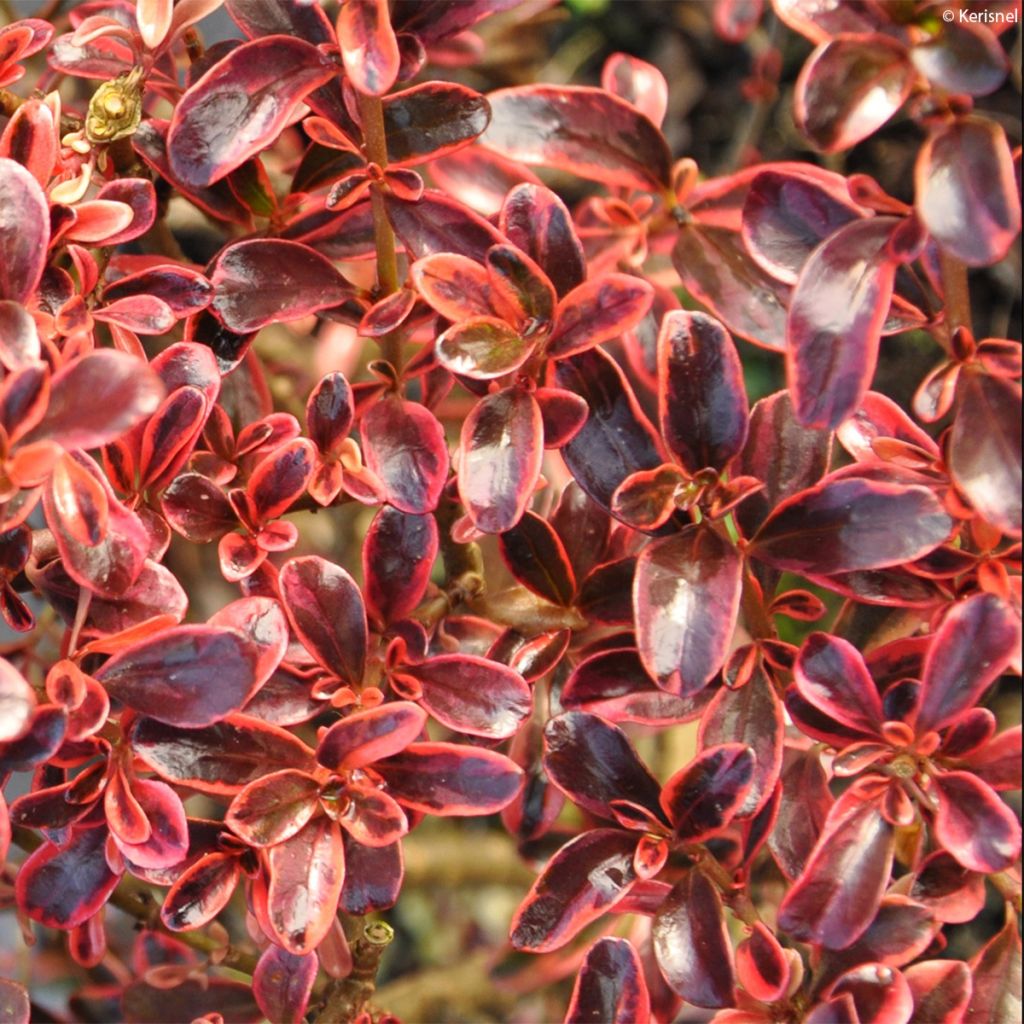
[231, 1001]
[201, 892]
[586, 878]
[262, 281]
[398, 554]
[187, 676]
[985, 447]
[967, 194]
[703, 797]
[273, 808]
[455, 286]
[404, 445]
[483, 348]
[843, 525]
[24, 231]
[196, 507]
[839, 306]
[597, 311]
[167, 843]
[941, 990]
[184, 290]
[836, 897]
[686, 595]
[702, 400]
[448, 779]
[63, 886]
[879, 994]
[472, 695]
[256, 89]
[850, 87]
[586, 131]
[326, 611]
[996, 974]
[761, 965]
[306, 875]
[368, 736]
[282, 984]
[610, 986]
[221, 759]
[330, 412]
[373, 876]
[963, 57]
[17, 702]
[368, 46]
[431, 120]
[536, 557]
[638, 83]
[973, 824]
[691, 943]
[594, 763]
[831, 674]
[280, 479]
[500, 458]
[436, 223]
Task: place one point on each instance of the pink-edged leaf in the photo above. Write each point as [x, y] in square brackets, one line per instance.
[404, 445]
[170, 435]
[967, 194]
[398, 554]
[617, 438]
[273, 808]
[836, 897]
[974, 645]
[610, 986]
[431, 120]
[844, 525]
[831, 674]
[500, 458]
[580, 129]
[282, 984]
[217, 998]
[63, 886]
[369, 48]
[143, 314]
[19, 337]
[751, 716]
[436, 223]
[80, 502]
[973, 824]
[187, 676]
[583, 880]
[702, 400]
[256, 90]
[638, 83]
[963, 58]
[30, 139]
[167, 843]
[472, 695]
[197, 508]
[261, 281]
[367, 736]
[803, 809]
[836, 315]
[716, 268]
[39, 742]
[563, 414]
[537, 558]
[520, 288]
[326, 611]
[330, 412]
[17, 702]
[483, 348]
[125, 816]
[880, 417]
[996, 976]
[985, 447]
[691, 944]
[706, 795]
[306, 875]
[186, 291]
[450, 779]
[455, 286]
[949, 892]
[786, 215]
[761, 965]
[594, 763]
[373, 877]
[15, 1006]
[998, 762]
[597, 311]
[154, 20]
[372, 818]
[220, 759]
[880, 994]
[849, 88]
[24, 231]
[686, 595]
[941, 990]
[96, 399]
[280, 479]
[201, 892]
[479, 177]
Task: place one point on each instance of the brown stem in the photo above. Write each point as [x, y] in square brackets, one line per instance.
[958, 296]
[735, 898]
[346, 997]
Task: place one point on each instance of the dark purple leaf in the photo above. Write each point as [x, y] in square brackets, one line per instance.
[973, 824]
[610, 986]
[24, 231]
[369, 735]
[435, 223]
[996, 975]
[597, 311]
[830, 673]
[398, 554]
[536, 557]
[706, 795]
[431, 120]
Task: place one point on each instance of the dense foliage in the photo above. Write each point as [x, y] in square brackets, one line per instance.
[734, 668]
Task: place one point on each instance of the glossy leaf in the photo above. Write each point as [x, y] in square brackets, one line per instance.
[483, 348]
[831, 674]
[17, 702]
[24, 231]
[973, 824]
[610, 986]
[399, 551]
[273, 808]
[597, 311]
[703, 797]
[436, 223]
[201, 892]
[941, 990]
[537, 558]
[282, 984]
[996, 976]
[368, 736]
[431, 120]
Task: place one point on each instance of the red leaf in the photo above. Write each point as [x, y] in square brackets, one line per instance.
[610, 986]
[256, 89]
[24, 231]
[79, 501]
[282, 984]
[880, 994]
[306, 875]
[368, 736]
[855, 524]
[196, 507]
[167, 843]
[831, 674]
[330, 412]
[455, 286]
[586, 131]
[435, 223]
[850, 87]
[431, 120]
[500, 458]
[967, 194]
[586, 878]
[996, 974]
[30, 139]
[973, 824]
[836, 315]
[188, 676]
[640, 84]
[404, 445]
[761, 965]
[941, 990]
[280, 479]
[143, 314]
[368, 46]
[686, 595]
[201, 892]
[398, 554]
[15, 1006]
[273, 808]
[536, 557]
[691, 943]
[597, 311]
[262, 281]
[19, 337]
[706, 795]
[702, 400]
[326, 611]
